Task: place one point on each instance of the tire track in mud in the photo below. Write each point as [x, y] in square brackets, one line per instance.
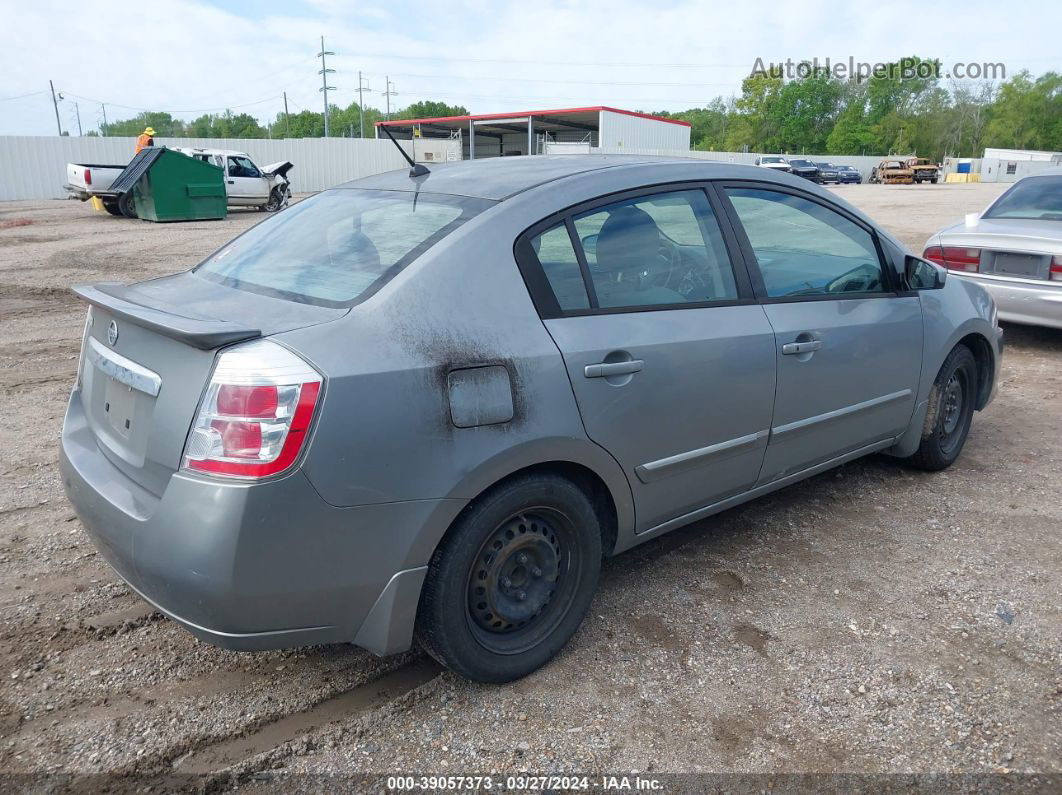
[349, 704]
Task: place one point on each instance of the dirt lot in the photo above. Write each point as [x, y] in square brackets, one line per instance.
[874, 618]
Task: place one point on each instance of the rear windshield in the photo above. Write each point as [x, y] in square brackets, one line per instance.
[1039, 199]
[339, 246]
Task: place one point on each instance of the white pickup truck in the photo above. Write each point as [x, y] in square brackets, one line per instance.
[246, 184]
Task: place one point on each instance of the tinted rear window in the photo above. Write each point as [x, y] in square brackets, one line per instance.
[339, 246]
[1039, 199]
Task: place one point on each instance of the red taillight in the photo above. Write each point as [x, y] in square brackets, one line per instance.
[256, 413]
[88, 176]
[1056, 268]
[956, 258]
[247, 401]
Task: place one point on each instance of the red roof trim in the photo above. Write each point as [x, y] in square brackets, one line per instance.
[488, 116]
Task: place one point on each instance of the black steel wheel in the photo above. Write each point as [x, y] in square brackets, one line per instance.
[513, 579]
[952, 401]
[126, 205]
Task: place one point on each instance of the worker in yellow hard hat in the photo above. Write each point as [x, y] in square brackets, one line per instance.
[146, 138]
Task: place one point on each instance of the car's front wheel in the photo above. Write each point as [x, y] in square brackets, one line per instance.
[513, 579]
[951, 408]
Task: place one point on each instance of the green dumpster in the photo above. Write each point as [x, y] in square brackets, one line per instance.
[176, 187]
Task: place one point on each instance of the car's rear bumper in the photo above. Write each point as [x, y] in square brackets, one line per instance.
[268, 565]
[1036, 303]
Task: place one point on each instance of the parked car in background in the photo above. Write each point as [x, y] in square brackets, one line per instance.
[1013, 249]
[804, 168]
[774, 162]
[828, 173]
[922, 169]
[266, 188]
[425, 408]
[85, 180]
[893, 172]
[849, 174]
[246, 184]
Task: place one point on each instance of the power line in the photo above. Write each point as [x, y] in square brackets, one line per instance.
[325, 88]
[22, 96]
[558, 80]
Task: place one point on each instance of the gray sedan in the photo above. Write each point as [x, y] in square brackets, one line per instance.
[1013, 249]
[422, 407]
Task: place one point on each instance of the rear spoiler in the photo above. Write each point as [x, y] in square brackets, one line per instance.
[199, 332]
[280, 169]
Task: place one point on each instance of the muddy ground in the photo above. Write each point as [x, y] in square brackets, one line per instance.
[874, 618]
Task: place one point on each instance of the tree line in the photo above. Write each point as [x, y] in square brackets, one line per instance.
[891, 112]
[342, 122]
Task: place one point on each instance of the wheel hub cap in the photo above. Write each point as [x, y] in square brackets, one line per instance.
[951, 405]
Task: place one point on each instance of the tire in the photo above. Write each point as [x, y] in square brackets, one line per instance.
[951, 408]
[934, 180]
[277, 201]
[126, 205]
[512, 580]
[112, 207]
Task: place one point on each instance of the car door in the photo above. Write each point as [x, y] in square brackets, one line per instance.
[670, 358]
[246, 184]
[848, 342]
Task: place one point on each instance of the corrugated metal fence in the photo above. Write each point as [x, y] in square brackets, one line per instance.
[35, 167]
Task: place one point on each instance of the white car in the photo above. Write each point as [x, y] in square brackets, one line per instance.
[1013, 249]
[247, 185]
[774, 162]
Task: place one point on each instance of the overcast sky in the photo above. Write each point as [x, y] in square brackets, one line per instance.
[194, 56]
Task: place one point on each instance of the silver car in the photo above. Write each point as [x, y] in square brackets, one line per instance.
[1013, 249]
[423, 408]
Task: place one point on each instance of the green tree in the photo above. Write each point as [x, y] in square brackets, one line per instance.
[1027, 113]
[164, 124]
[851, 135]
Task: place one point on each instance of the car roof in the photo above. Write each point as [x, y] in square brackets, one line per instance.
[203, 151]
[500, 178]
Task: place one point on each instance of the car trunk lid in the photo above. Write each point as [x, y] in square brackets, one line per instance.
[148, 355]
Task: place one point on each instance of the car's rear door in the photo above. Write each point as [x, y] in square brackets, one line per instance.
[848, 341]
[670, 358]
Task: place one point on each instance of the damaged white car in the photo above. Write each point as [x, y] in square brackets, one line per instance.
[247, 185]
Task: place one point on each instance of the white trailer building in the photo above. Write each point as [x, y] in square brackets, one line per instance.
[559, 131]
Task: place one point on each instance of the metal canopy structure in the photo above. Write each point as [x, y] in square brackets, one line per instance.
[521, 132]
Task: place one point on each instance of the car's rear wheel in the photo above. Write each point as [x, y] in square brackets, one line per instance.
[111, 206]
[126, 205]
[513, 579]
[951, 406]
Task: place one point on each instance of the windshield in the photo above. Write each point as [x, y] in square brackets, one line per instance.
[339, 246]
[801, 163]
[1039, 199]
[771, 160]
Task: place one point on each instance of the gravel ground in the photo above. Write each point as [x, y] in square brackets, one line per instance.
[874, 618]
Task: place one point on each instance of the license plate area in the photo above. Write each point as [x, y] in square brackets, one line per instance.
[119, 407]
[1028, 265]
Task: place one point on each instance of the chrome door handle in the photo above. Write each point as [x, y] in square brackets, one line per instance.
[604, 370]
[791, 348]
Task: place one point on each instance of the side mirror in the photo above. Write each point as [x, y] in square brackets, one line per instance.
[972, 219]
[921, 274]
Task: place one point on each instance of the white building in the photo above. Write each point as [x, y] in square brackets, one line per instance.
[560, 131]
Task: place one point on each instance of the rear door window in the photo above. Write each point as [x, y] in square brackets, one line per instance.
[661, 249]
[339, 246]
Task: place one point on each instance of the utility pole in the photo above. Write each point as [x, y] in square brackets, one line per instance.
[55, 104]
[325, 88]
[77, 112]
[287, 123]
[390, 92]
[103, 107]
[361, 103]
